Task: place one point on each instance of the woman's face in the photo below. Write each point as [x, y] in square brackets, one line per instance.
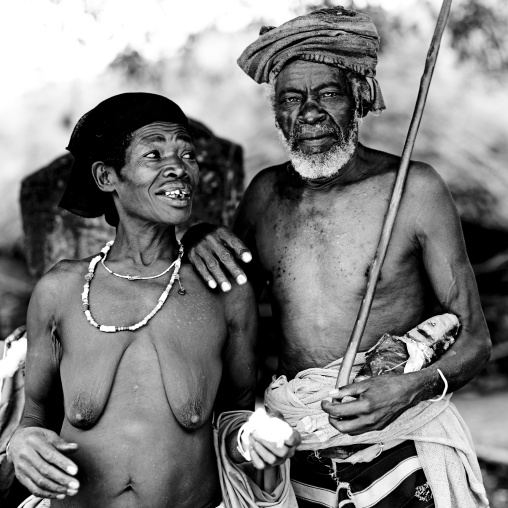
[160, 175]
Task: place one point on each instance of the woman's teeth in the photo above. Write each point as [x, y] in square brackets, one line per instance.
[177, 194]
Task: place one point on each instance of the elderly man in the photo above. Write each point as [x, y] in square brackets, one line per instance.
[130, 347]
[313, 225]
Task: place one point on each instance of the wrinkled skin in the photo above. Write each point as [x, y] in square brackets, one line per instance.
[313, 243]
[137, 405]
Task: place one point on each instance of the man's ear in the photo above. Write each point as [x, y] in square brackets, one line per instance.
[105, 176]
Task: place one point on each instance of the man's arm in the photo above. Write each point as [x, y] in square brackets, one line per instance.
[237, 390]
[211, 249]
[439, 234]
[37, 452]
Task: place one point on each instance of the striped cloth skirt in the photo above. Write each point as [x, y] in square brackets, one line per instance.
[394, 479]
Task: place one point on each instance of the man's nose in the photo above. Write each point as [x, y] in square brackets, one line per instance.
[311, 112]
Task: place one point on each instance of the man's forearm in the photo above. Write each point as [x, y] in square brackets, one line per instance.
[459, 365]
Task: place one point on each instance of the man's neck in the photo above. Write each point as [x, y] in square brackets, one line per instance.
[352, 171]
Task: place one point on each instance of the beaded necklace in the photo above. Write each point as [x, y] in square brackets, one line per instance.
[112, 328]
[133, 277]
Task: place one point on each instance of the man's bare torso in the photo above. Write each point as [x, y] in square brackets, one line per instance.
[136, 403]
[315, 248]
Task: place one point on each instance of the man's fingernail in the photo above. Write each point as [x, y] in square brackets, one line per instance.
[74, 485]
[72, 470]
[72, 492]
[241, 279]
[212, 284]
[333, 393]
[225, 286]
[60, 496]
[246, 257]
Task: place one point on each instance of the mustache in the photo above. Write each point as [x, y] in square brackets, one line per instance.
[314, 130]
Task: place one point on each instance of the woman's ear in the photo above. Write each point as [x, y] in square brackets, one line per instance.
[104, 176]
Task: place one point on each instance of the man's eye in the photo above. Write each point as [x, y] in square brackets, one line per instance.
[189, 155]
[153, 155]
[327, 95]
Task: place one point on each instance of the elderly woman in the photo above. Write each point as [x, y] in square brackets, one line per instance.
[131, 344]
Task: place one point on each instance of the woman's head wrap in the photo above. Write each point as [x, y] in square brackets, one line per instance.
[100, 132]
[336, 36]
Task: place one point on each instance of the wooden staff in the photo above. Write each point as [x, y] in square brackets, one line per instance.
[398, 189]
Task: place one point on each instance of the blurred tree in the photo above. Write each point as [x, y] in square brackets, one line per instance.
[478, 29]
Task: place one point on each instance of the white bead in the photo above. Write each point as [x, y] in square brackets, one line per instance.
[107, 328]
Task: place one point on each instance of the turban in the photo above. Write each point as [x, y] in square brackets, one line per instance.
[97, 134]
[335, 36]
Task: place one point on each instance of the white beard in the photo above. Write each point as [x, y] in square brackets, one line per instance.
[324, 164]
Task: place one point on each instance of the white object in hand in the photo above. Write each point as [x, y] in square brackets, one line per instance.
[266, 427]
[14, 358]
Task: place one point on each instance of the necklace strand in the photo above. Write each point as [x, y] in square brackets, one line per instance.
[134, 277]
[112, 328]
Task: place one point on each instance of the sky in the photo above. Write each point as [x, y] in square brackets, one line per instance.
[48, 41]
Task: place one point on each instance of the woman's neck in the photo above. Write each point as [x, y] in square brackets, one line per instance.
[144, 245]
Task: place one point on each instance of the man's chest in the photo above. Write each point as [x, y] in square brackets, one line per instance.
[336, 234]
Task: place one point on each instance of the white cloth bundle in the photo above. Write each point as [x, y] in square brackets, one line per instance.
[269, 428]
[442, 440]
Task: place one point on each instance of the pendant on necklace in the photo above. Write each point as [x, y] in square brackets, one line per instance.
[182, 291]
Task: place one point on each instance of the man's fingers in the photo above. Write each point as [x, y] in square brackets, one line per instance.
[213, 266]
[232, 241]
[203, 270]
[224, 255]
[346, 409]
[351, 390]
[50, 454]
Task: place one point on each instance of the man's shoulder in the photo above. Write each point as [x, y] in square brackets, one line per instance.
[421, 175]
[267, 177]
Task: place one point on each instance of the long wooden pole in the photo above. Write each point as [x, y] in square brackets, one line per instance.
[398, 189]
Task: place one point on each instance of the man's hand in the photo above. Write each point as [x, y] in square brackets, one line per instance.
[380, 400]
[40, 463]
[265, 454]
[211, 252]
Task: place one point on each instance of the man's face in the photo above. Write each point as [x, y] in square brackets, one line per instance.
[160, 174]
[315, 112]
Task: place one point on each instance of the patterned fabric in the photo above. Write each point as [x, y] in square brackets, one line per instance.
[395, 479]
[335, 36]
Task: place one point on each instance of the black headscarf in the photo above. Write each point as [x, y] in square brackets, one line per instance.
[93, 138]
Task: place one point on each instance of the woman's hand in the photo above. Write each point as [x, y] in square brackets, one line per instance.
[40, 463]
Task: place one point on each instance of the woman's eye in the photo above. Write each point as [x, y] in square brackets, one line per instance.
[291, 99]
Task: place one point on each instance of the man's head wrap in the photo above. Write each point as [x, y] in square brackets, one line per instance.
[336, 36]
[97, 134]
